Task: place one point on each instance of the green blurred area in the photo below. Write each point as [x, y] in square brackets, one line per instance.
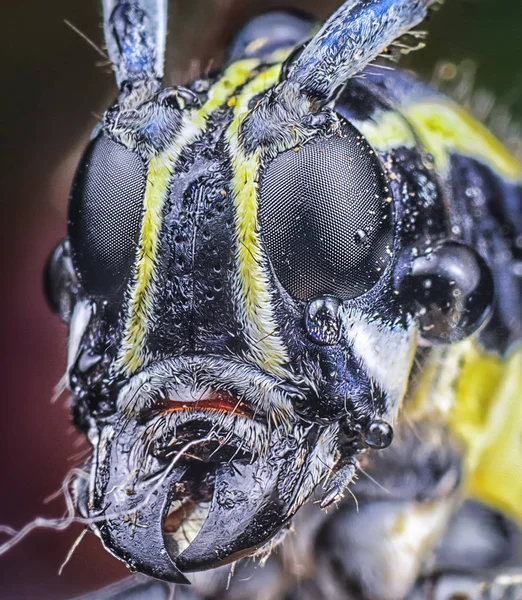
[54, 87]
[489, 32]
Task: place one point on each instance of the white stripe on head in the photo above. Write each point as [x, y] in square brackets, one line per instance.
[386, 353]
[79, 321]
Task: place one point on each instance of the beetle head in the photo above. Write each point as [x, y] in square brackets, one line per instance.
[242, 294]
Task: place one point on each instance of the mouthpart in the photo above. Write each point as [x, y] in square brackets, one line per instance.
[203, 463]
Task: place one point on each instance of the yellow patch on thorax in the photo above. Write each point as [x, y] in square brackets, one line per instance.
[479, 396]
[487, 417]
[444, 127]
[386, 131]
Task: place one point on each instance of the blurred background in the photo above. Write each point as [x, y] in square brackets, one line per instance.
[55, 86]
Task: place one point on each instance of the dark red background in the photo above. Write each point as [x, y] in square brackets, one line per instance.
[52, 90]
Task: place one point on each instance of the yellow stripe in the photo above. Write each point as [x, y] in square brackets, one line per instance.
[266, 348]
[478, 395]
[486, 416]
[444, 127]
[160, 170]
[386, 131]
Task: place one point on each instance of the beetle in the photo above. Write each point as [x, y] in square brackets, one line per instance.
[268, 275]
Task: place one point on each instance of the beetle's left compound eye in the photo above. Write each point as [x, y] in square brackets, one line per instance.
[326, 217]
[104, 216]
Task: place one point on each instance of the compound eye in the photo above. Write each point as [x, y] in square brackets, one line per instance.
[326, 217]
[104, 217]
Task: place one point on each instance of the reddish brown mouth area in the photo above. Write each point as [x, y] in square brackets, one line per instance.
[215, 401]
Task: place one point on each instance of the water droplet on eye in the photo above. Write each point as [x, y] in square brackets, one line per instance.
[87, 361]
[360, 237]
[456, 230]
[323, 320]
[453, 292]
[379, 435]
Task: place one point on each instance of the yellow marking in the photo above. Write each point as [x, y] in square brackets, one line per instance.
[387, 355]
[434, 390]
[281, 54]
[479, 395]
[267, 349]
[487, 417]
[160, 170]
[444, 127]
[256, 45]
[158, 178]
[386, 131]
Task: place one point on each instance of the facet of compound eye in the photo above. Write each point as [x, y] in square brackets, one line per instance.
[325, 217]
[452, 289]
[323, 320]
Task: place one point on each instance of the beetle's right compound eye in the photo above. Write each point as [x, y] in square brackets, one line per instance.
[104, 217]
[326, 217]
